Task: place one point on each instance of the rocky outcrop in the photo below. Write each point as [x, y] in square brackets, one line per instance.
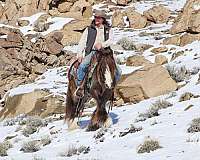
[14, 9]
[159, 50]
[72, 31]
[150, 81]
[137, 61]
[157, 14]
[36, 103]
[117, 19]
[188, 20]
[21, 60]
[161, 59]
[136, 20]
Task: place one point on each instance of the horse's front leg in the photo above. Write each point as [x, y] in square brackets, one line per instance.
[100, 116]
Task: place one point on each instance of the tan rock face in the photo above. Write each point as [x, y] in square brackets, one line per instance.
[71, 38]
[137, 21]
[38, 103]
[123, 2]
[87, 12]
[159, 50]
[160, 59]
[79, 5]
[174, 40]
[64, 7]
[157, 14]
[188, 20]
[137, 61]
[194, 23]
[189, 38]
[152, 80]
[71, 31]
[117, 19]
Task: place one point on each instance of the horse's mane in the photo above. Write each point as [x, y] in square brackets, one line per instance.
[105, 58]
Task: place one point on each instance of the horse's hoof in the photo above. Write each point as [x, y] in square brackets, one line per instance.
[92, 127]
[72, 125]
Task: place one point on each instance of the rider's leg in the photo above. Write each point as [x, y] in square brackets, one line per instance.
[82, 69]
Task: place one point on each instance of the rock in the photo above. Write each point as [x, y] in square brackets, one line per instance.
[159, 50]
[174, 40]
[137, 61]
[189, 38]
[194, 23]
[117, 19]
[36, 103]
[23, 23]
[160, 59]
[157, 14]
[142, 47]
[14, 37]
[137, 21]
[123, 2]
[1, 10]
[188, 19]
[39, 69]
[71, 38]
[87, 12]
[77, 25]
[76, 15]
[41, 24]
[79, 5]
[153, 80]
[52, 59]
[51, 44]
[64, 7]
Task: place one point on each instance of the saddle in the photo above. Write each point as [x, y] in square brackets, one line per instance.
[89, 73]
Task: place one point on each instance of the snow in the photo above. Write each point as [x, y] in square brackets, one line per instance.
[169, 128]
[56, 23]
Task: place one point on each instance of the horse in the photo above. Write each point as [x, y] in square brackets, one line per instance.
[102, 84]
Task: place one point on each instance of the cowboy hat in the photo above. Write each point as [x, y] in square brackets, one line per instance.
[99, 13]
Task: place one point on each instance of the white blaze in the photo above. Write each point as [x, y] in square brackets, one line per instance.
[108, 77]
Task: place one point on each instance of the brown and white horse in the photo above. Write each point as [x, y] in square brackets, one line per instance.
[102, 84]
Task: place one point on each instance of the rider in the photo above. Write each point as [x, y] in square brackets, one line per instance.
[96, 36]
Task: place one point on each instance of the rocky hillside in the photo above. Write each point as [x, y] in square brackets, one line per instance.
[156, 113]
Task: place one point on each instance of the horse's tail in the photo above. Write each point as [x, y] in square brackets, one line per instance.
[69, 109]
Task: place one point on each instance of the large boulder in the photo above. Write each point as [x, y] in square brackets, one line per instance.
[188, 20]
[72, 31]
[137, 60]
[79, 5]
[117, 19]
[123, 2]
[150, 81]
[64, 7]
[14, 9]
[174, 40]
[188, 38]
[38, 102]
[136, 20]
[157, 14]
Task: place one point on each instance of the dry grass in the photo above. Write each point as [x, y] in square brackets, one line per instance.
[148, 146]
[178, 74]
[73, 150]
[30, 146]
[153, 110]
[194, 126]
[126, 43]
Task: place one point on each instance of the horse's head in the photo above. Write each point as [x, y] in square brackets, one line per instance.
[104, 53]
